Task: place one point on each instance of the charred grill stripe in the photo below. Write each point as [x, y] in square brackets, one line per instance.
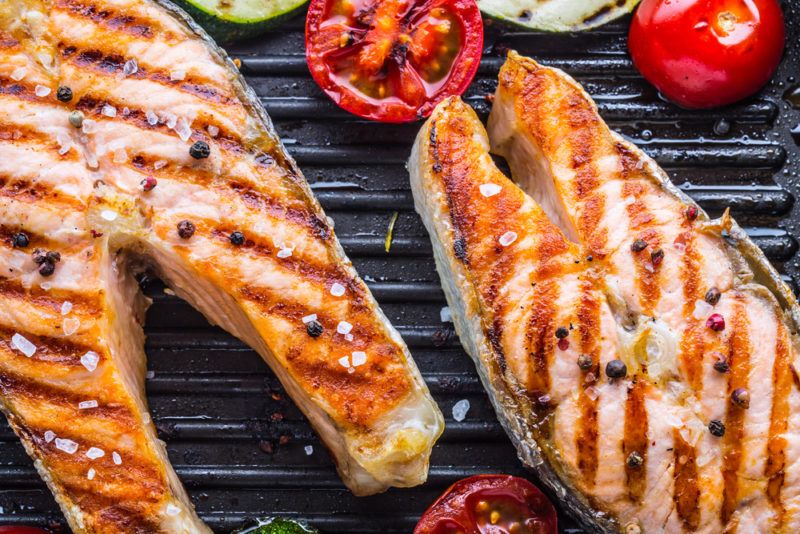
[779, 421]
[24, 133]
[692, 340]
[111, 19]
[588, 431]
[639, 218]
[686, 492]
[29, 192]
[84, 303]
[635, 439]
[56, 350]
[540, 336]
[739, 360]
[21, 91]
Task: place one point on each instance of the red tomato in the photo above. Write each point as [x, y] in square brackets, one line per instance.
[490, 504]
[393, 60]
[21, 530]
[706, 53]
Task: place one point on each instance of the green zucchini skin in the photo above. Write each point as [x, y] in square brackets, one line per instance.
[279, 526]
[227, 31]
[556, 15]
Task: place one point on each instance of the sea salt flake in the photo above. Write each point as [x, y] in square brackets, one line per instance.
[284, 253]
[46, 286]
[41, 91]
[508, 238]
[18, 73]
[592, 392]
[20, 343]
[445, 316]
[85, 405]
[94, 453]
[344, 327]
[90, 361]
[49, 436]
[348, 337]
[183, 129]
[309, 450]
[160, 164]
[213, 131]
[70, 325]
[120, 155]
[109, 215]
[91, 473]
[89, 126]
[177, 75]
[150, 375]
[116, 458]
[130, 67]
[701, 309]
[460, 410]
[337, 289]
[66, 445]
[490, 190]
[308, 318]
[344, 361]
[66, 307]
[359, 358]
[170, 119]
[152, 118]
[173, 510]
[108, 110]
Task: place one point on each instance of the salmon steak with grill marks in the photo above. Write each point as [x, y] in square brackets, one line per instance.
[128, 140]
[640, 355]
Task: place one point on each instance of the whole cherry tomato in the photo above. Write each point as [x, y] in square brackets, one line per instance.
[495, 504]
[707, 53]
[393, 60]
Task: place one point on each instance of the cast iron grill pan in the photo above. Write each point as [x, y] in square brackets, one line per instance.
[237, 441]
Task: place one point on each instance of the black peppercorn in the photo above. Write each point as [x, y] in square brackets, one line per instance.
[562, 332]
[52, 257]
[39, 256]
[639, 245]
[616, 369]
[237, 238]
[20, 240]
[314, 329]
[712, 296]
[635, 460]
[657, 256]
[721, 365]
[47, 268]
[64, 94]
[741, 398]
[585, 362]
[716, 427]
[200, 150]
[186, 229]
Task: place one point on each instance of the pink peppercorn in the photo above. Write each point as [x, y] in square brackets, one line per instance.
[563, 343]
[716, 322]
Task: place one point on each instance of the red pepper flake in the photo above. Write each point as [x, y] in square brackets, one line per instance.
[692, 212]
[149, 183]
[716, 322]
[563, 343]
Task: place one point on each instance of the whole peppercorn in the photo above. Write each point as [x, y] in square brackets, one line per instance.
[635, 460]
[237, 238]
[64, 94]
[39, 256]
[722, 365]
[716, 427]
[712, 296]
[585, 362]
[200, 150]
[716, 322]
[47, 268]
[53, 257]
[563, 343]
[741, 398]
[314, 329]
[616, 369]
[186, 229]
[149, 183]
[692, 212]
[657, 256]
[639, 245]
[76, 119]
[20, 240]
[562, 332]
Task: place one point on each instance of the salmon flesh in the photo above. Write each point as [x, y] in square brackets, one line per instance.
[640, 355]
[129, 140]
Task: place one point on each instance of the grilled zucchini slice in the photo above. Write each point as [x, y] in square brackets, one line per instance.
[557, 15]
[229, 20]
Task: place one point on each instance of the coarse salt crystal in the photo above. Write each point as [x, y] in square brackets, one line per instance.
[172, 509]
[94, 453]
[183, 129]
[701, 309]
[152, 118]
[359, 358]
[344, 327]
[284, 253]
[109, 215]
[213, 131]
[508, 238]
[308, 318]
[126, 111]
[337, 289]
[344, 361]
[66, 307]
[85, 405]
[66, 445]
[460, 410]
[49, 436]
[150, 375]
[89, 126]
[70, 325]
[592, 392]
[90, 361]
[490, 190]
[46, 286]
[445, 316]
[120, 155]
[109, 110]
[20, 343]
[170, 119]
[309, 450]
[42, 91]
[649, 267]
[91, 473]
[130, 67]
[116, 458]
[18, 73]
[177, 75]
[160, 164]
[348, 337]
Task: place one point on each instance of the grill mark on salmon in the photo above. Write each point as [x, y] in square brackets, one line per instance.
[22, 91]
[588, 431]
[647, 275]
[686, 492]
[50, 349]
[739, 359]
[779, 423]
[83, 303]
[540, 336]
[635, 439]
[25, 191]
[111, 19]
[692, 344]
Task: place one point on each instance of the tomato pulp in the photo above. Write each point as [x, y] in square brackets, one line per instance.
[490, 504]
[393, 60]
[707, 53]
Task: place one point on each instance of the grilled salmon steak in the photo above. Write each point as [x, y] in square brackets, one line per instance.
[128, 139]
[640, 355]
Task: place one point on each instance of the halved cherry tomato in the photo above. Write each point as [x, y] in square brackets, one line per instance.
[707, 53]
[393, 60]
[21, 530]
[490, 504]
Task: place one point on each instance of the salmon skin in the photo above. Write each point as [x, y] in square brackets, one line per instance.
[129, 140]
[640, 355]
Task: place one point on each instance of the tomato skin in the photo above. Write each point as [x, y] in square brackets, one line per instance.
[410, 95]
[466, 507]
[707, 53]
[21, 530]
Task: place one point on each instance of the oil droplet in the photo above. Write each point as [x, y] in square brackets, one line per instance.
[792, 95]
[646, 135]
[796, 134]
[722, 127]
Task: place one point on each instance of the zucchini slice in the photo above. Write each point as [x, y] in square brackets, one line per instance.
[557, 15]
[229, 20]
